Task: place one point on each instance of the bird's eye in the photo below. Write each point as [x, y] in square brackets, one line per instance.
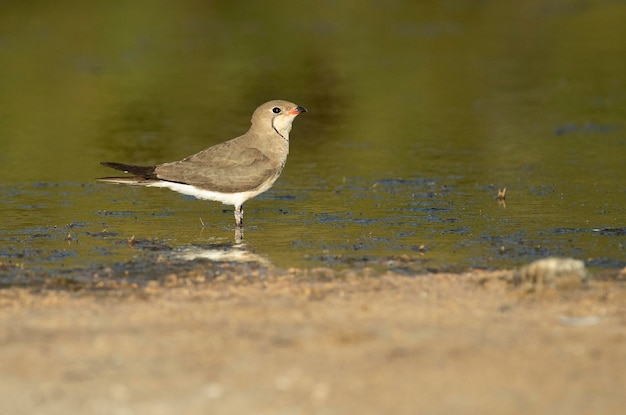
[276, 110]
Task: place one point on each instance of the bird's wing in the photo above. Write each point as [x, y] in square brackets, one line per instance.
[228, 167]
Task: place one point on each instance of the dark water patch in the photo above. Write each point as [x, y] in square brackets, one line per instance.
[19, 253]
[24, 235]
[606, 263]
[404, 182]
[416, 188]
[103, 251]
[412, 265]
[585, 128]
[78, 225]
[57, 254]
[48, 185]
[145, 244]
[542, 190]
[609, 231]
[429, 195]
[102, 234]
[161, 214]
[613, 232]
[36, 235]
[330, 218]
[350, 219]
[117, 213]
[33, 207]
[465, 230]
[37, 256]
[516, 246]
[424, 208]
[284, 197]
[568, 231]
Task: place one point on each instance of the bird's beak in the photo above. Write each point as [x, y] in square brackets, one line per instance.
[297, 110]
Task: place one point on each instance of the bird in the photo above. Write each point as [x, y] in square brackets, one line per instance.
[231, 172]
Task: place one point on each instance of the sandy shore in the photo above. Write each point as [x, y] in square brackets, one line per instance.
[314, 342]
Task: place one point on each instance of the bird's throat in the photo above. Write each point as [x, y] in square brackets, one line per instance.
[282, 125]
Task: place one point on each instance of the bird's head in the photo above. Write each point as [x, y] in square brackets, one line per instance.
[277, 115]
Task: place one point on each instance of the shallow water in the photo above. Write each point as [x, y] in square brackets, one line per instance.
[418, 115]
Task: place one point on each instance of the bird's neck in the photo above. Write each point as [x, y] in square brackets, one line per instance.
[282, 125]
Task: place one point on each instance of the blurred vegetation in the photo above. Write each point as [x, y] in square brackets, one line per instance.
[386, 81]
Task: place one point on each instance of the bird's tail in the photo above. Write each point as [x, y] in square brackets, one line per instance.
[141, 174]
[147, 172]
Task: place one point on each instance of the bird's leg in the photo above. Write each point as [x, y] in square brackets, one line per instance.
[239, 223]
[238, 235]
[239, 216]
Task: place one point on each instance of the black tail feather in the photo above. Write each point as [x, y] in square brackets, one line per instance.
[146, 172]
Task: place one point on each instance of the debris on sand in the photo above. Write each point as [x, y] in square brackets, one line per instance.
[552, 272]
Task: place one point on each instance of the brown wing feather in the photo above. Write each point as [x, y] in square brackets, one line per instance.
[228, 167]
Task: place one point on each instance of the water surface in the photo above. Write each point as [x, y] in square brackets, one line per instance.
[418, 115]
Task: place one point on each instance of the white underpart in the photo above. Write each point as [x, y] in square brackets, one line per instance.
[234, 199]
[282, 124]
